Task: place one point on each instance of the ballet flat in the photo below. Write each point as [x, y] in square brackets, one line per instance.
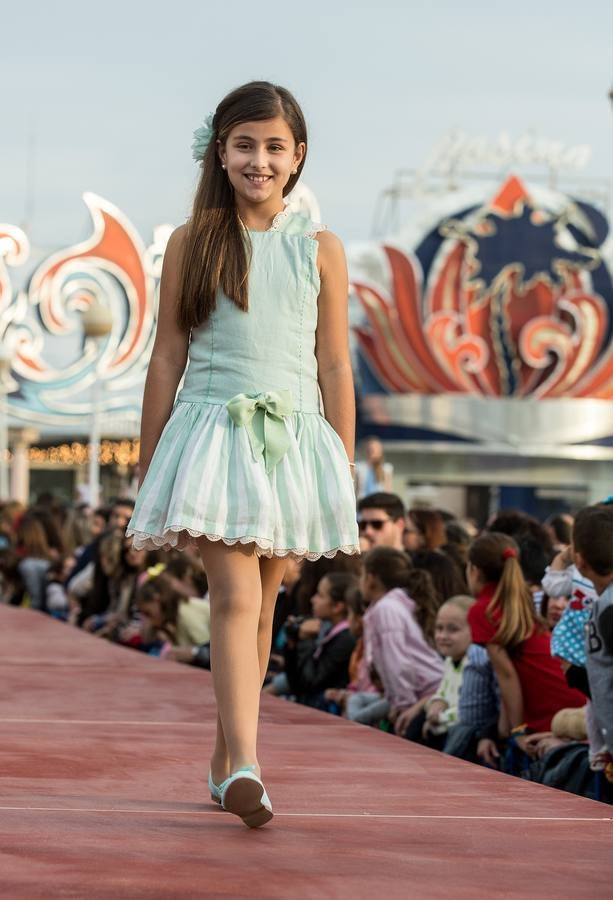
[214, 790]
[244, 795]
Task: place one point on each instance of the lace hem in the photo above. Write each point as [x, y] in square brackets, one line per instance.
[171, 539]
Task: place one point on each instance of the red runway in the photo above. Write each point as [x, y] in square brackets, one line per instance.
[103, 765]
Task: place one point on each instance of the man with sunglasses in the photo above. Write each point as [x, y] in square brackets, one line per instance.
[382, 520]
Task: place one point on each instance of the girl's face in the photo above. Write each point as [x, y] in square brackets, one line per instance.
[260, 158]
[452, 632]
[135, 559]
[555, 608]
[151, 611]
[321, 601]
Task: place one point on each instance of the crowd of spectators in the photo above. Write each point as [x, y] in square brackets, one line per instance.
[494, 645]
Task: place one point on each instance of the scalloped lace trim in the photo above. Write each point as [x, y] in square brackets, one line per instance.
[141, 540]
[279, 219]
[317, 227]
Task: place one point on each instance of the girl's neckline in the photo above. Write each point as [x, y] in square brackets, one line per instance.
[275, 225]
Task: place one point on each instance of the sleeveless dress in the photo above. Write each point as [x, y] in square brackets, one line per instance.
[247, 455]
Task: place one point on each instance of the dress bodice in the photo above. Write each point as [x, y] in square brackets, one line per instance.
[271, 346]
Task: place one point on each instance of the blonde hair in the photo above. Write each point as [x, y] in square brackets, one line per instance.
[462, 602]
[496, 555]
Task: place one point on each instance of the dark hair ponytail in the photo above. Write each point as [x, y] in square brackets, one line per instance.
[393, 568]
[216, 248]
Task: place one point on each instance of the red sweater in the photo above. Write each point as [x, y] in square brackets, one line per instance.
[543, 685]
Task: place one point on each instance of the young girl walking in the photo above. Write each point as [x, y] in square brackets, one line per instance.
[253, 460]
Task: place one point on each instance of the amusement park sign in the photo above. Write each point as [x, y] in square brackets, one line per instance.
[458, 150]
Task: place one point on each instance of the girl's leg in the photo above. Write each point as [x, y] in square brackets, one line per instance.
[271, 574]
[236, 600]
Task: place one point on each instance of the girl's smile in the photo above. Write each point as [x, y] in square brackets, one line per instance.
[260, 158]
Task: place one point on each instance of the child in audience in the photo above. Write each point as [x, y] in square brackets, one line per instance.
[503, 619]
[361, 701]
[399, 631]
[323, 662]
[170, 619]
[593, 547]
[452, 637]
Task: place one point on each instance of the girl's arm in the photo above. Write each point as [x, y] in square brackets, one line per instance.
[332, 340]
[508, 681]
[168, 357]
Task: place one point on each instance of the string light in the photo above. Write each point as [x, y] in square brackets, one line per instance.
[121, 453]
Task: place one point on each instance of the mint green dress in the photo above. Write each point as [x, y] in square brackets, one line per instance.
[247, 455]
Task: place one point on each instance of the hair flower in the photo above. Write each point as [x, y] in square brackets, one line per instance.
[202, 138]
[154, 571]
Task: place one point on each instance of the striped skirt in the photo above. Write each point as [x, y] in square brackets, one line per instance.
[205, 480]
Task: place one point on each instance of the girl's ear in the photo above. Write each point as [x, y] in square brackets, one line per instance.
[299, 153]
[221, 152]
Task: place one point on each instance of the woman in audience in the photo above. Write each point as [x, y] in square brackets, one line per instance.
[36, 555]
[399, 632]
[447, 576]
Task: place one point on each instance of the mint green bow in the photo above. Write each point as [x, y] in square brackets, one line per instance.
[263, 415]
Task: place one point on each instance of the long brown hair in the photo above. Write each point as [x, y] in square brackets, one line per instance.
[216, 248]
[393, 568]
[496, 555]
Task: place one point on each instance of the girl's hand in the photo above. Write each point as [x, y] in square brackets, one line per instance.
[309, 628]
[487, 751]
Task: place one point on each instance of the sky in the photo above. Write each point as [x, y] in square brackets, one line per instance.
[104, 97]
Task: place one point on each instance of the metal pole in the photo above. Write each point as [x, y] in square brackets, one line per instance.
[4, 474]
[94, 445]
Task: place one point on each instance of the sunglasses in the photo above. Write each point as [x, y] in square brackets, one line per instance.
[375, 524]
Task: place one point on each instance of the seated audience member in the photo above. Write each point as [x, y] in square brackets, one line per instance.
[36, 556]
[430, 524]
[563, 580]
[552, 610]
[452, 639]
[476, 735]
[503, 619]
[457, 543]
[323, 662]
[361, 701]
[447, 577]
[399, 632]
[382, 520]
[560, 530]
[56, 597]
[286, 606]
[169, 619]
[593, 547]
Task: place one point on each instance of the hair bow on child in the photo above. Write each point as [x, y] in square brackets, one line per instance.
[202, 138]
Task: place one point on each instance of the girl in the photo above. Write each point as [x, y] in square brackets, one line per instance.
[245, 462]
[531, 681]
[398, 631]
[322, 662]
[361, 701]
[171, 620]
